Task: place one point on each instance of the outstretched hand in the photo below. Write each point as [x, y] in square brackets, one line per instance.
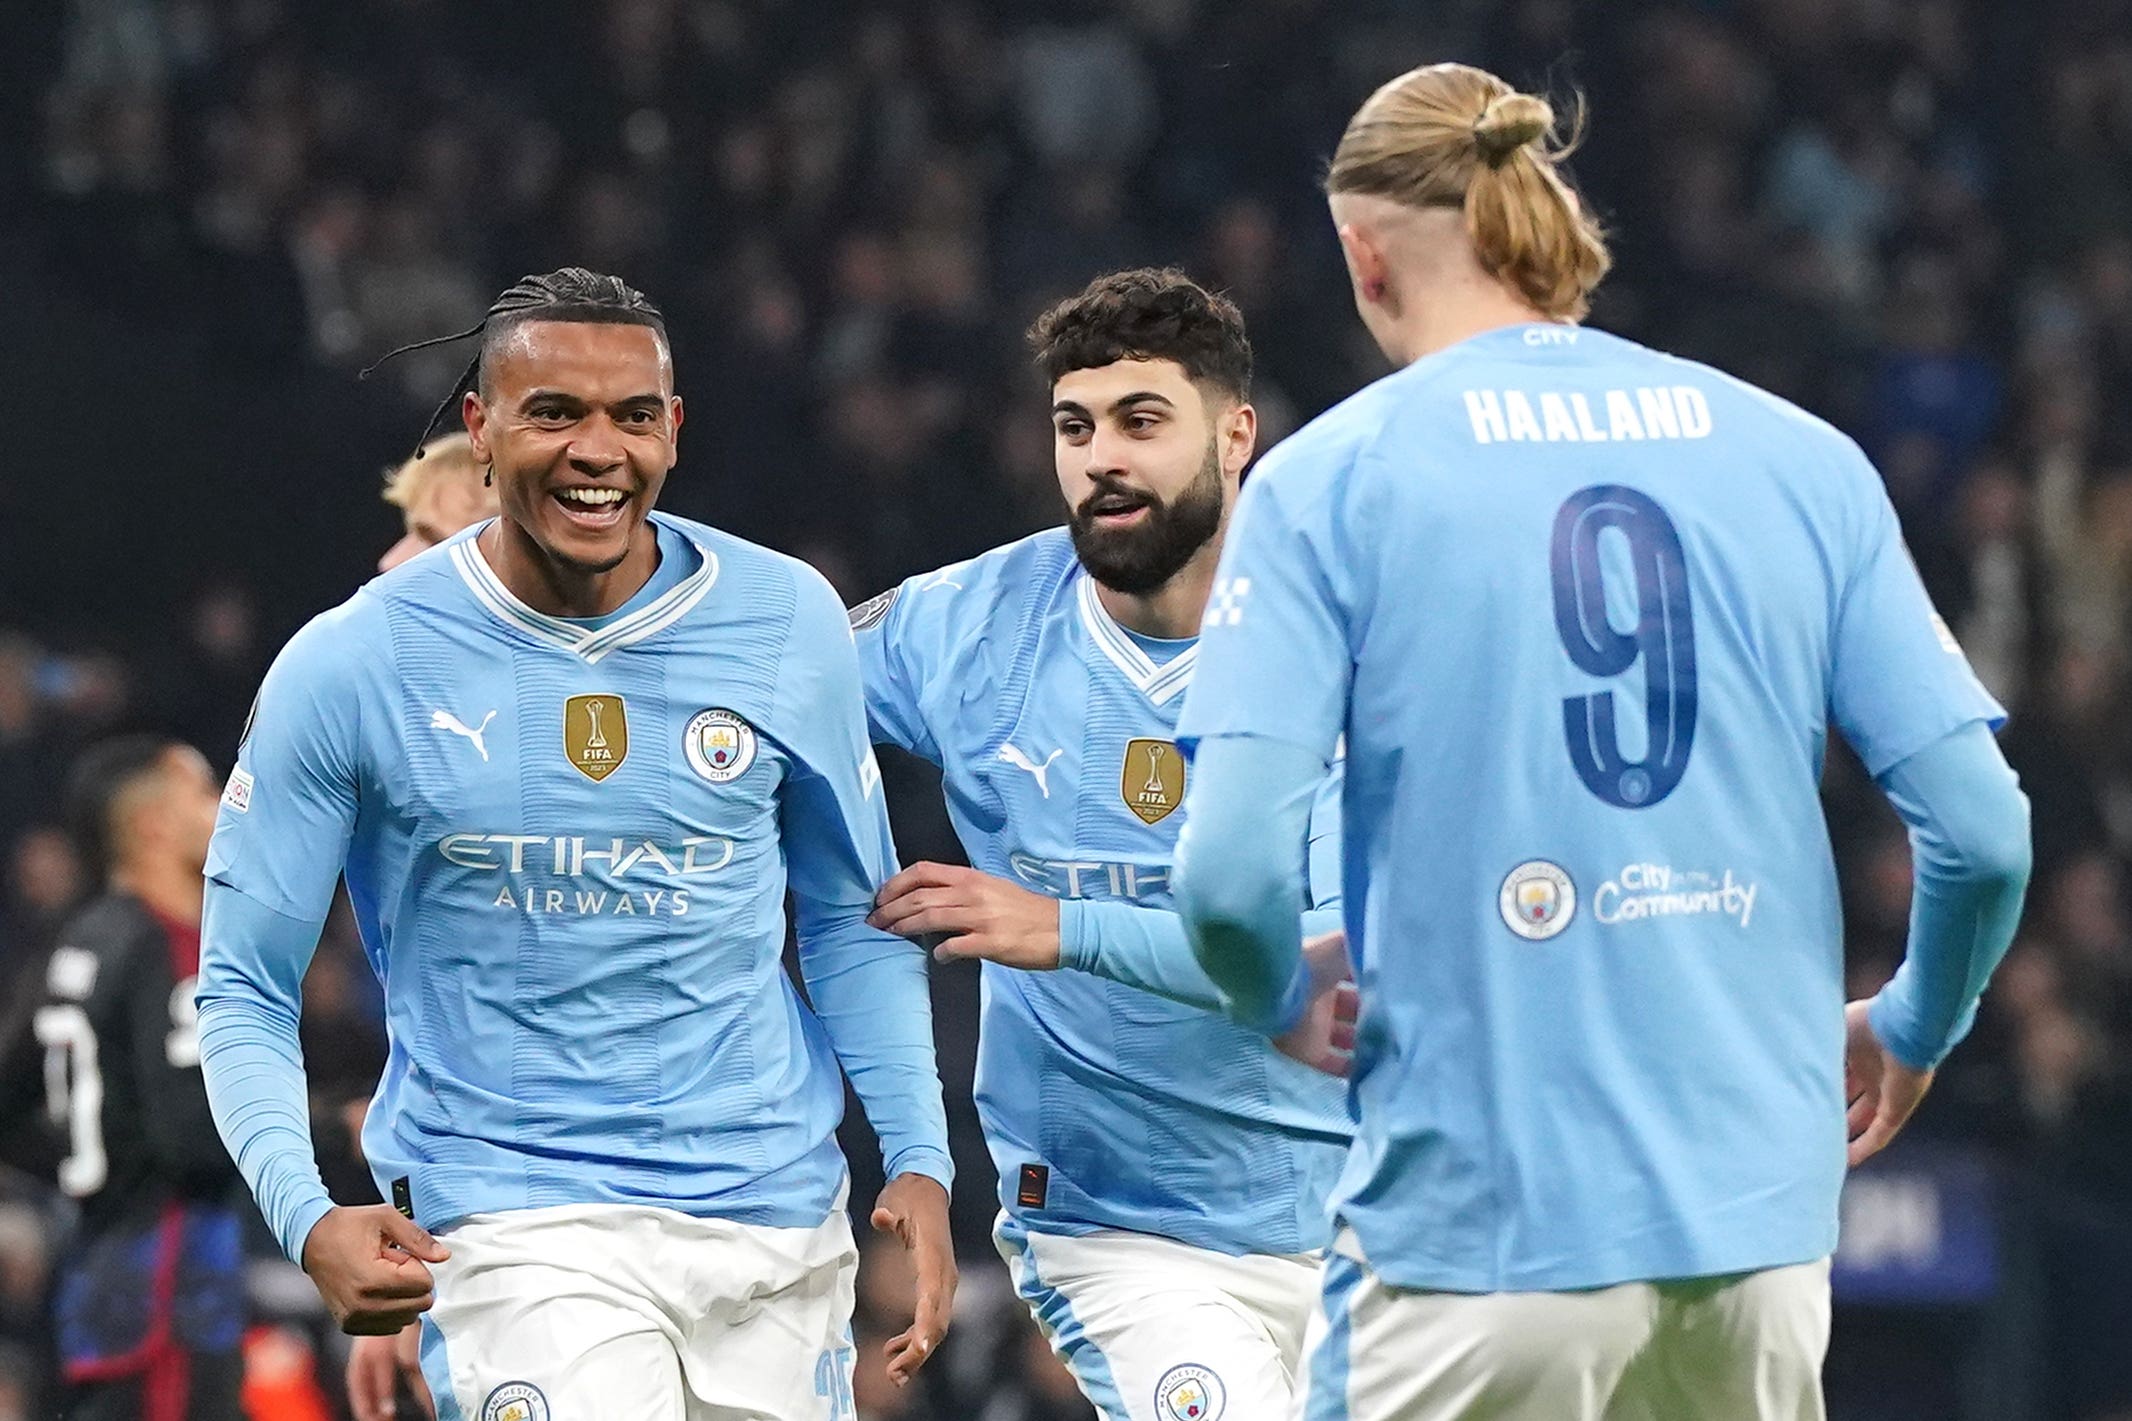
[914, 1208]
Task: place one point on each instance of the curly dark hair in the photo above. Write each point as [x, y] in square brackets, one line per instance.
[1146, 314]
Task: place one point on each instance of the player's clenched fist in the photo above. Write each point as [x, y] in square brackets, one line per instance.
[1325, 1038]
[370, 1266]
[915, 1209]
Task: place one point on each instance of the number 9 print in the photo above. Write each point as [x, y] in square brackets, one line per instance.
[1663, 639]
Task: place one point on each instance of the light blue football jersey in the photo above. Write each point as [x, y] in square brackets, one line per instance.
[1585, 614]
[568, 847]
[1104, 1106]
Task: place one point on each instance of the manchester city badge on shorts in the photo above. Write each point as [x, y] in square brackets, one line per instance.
[1191, 1393]
[515, 1401]
[719, 744]
[1537, 900]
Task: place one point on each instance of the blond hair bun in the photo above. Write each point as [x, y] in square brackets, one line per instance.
[1509, 123]
[1417, 142]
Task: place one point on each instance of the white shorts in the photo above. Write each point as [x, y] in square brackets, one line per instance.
[623, 1311]
[1155, 1330]
[1743, 1348]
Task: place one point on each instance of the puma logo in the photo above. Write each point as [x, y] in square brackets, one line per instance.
[1042, 773]
[445, 720]
[941, 579]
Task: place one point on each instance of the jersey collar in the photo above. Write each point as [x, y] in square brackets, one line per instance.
[583, 642]
[1160, 684]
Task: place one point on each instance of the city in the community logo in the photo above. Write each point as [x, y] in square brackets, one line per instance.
[1642, 891]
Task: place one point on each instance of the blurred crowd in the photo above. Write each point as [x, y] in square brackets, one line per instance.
[1914, 218]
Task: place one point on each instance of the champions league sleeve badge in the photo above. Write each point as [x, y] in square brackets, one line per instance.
[719, 744]
[874, 610]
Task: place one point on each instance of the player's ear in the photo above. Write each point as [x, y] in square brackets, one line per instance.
[474, 414]
[673, 452]
[1239, 438]
[1366, 266]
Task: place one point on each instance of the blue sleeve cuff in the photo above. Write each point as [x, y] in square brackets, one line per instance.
[1140, 947]
[1894, 1024]
[1969, 842]
[1319, 921]
[1290, 1010]
[1077, 949]
[928, 1160]
[1239, 874]
[301, 1221]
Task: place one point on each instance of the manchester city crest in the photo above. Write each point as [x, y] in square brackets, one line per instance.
[1191, 1393]
[1537, 900]
[515, 1401]
[720, 745]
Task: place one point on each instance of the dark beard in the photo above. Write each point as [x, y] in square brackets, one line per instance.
[1138, 560]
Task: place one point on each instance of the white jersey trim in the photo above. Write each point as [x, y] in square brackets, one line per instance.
[1160, 684]
[587, 643]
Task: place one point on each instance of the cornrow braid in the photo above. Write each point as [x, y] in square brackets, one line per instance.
[570, 294]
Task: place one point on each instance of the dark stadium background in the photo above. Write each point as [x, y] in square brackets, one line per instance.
[1912, 216]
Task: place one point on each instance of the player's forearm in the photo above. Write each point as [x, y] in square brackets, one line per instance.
[1969, 838]
[871, 991]
[1240, 873]
[251, 966]
[1140, 947]
[1147, 948]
